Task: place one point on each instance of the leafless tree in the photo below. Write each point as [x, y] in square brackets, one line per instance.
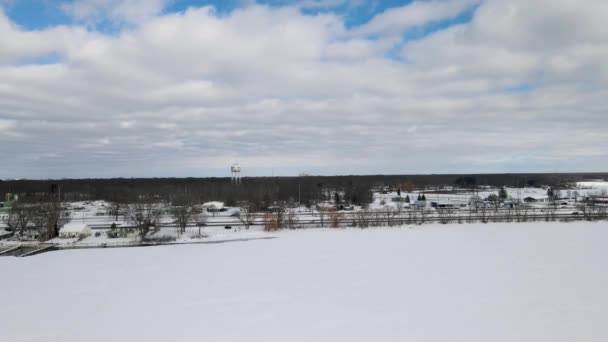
[575, 194]
[474, 203]
[335, 218]
[422, 213]
[116, 209]
[273, 220]
[49, 217]
[518, 212]
[590, 209]
[322, 213]
[509, 214]
[278, 216]
[363, 218]
[291, 218]
[445, 215]
[399, 206]
[378, 218]
[389, 213]
[482, 214]
[201, 222]
[602, 213]
[144, 215]
[411, 217]
[554, 200]
[247, 217]
[19, 218]
[184, 211]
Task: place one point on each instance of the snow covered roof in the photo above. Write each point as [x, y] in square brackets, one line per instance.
[214, 205]
[74, 228]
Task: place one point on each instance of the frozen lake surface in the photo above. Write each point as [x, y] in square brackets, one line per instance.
[500, 282]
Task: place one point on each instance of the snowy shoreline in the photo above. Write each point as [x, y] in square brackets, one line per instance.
[252, 235]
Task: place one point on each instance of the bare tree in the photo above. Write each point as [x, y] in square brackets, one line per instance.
[201, 221]
[246, 217]
[48, 218]
[422, 213]
[363, 218]
[291, 218]
[554, 200]
[144, 215]
[474, 203]
[591, 211]
[184, 211]
[482, 215]
[378, 218]
[445, 215]
[273, 220]
[602, 213]
[335, 218]
[399, 206]
[19, 218]
[389, 213]
[322, 213]
[116, 209]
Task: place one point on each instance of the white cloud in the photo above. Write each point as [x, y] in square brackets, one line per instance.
[7, 124]
[17, 44]
[394, 21]
[182, 94]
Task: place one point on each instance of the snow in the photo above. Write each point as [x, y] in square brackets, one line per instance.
[594, 188]
[75, 228]
[597, 184]
[213, 205]
[502, 282]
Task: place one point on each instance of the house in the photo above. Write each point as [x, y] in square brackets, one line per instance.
[508, 205]
[214, 207]
[420, 204]
[74, 230]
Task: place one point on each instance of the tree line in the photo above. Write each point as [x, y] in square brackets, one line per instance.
[262, 192]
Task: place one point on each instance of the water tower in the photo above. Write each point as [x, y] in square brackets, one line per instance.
[235, 172]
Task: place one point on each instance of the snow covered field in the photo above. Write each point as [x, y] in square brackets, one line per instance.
[501, 282]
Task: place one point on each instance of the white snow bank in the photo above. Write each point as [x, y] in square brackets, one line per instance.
[504, 282]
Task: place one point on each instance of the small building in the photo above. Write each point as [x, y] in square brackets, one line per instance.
[74, 230]
[420, 204]
[508, 205]
[214, 207]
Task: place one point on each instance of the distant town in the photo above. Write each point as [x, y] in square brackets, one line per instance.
[41, 216]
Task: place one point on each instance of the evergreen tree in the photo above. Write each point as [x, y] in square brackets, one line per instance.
[423, 197]
[407, 199]
[502, 194]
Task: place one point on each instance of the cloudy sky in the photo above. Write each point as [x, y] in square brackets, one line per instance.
[153, 88]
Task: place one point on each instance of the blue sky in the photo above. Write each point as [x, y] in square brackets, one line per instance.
[40, 14]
